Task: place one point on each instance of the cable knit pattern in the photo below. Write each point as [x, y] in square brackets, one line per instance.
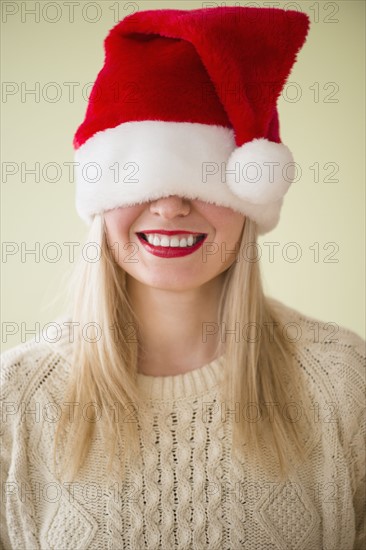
[184, 491]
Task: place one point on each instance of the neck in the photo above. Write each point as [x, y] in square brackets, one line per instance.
[177, 330]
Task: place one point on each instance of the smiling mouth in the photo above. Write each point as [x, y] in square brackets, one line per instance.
[173, 241]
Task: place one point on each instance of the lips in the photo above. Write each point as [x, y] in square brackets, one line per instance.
[175, 240]
[170, 251]
[171, 232]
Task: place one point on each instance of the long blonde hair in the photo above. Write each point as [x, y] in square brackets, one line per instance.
[262, 367]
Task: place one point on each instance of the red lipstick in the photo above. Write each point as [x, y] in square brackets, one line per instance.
[170, 251]
[173, 232]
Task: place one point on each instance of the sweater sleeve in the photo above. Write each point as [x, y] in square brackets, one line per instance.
[357, 463]
[14, 379]
[357, 444]
[4, 535]
[8, 366]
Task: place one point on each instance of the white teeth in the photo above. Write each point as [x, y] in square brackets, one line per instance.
[174, 241]
[164, 240]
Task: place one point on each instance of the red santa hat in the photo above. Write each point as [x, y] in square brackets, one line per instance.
[185, 104]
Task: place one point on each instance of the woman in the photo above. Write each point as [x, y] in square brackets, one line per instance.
[180, 407]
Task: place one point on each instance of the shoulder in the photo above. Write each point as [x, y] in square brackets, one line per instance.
[37, 364]
[33, 380]
[332, 359]
[326, 337]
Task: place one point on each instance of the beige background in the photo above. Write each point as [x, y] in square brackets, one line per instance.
[322, 121]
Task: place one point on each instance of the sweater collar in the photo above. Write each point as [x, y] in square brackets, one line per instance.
[182, 386]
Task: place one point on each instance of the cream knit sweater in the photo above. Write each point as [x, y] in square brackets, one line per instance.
[184, 491]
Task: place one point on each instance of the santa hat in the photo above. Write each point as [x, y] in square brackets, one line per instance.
[185, 104]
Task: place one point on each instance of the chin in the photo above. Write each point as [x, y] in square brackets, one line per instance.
[178, 281]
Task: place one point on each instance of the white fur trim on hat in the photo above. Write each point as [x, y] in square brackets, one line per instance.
[141, 161]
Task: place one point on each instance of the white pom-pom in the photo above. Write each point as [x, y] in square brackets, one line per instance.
[260, 171]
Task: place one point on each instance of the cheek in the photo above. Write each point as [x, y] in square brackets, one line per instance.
[228, 224]
[236, 225]
[112, 228]
[222, 218]
[118, 221]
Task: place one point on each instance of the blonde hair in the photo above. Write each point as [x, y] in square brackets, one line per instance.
[262, 369]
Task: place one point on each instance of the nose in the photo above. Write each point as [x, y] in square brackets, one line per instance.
[170, 207]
